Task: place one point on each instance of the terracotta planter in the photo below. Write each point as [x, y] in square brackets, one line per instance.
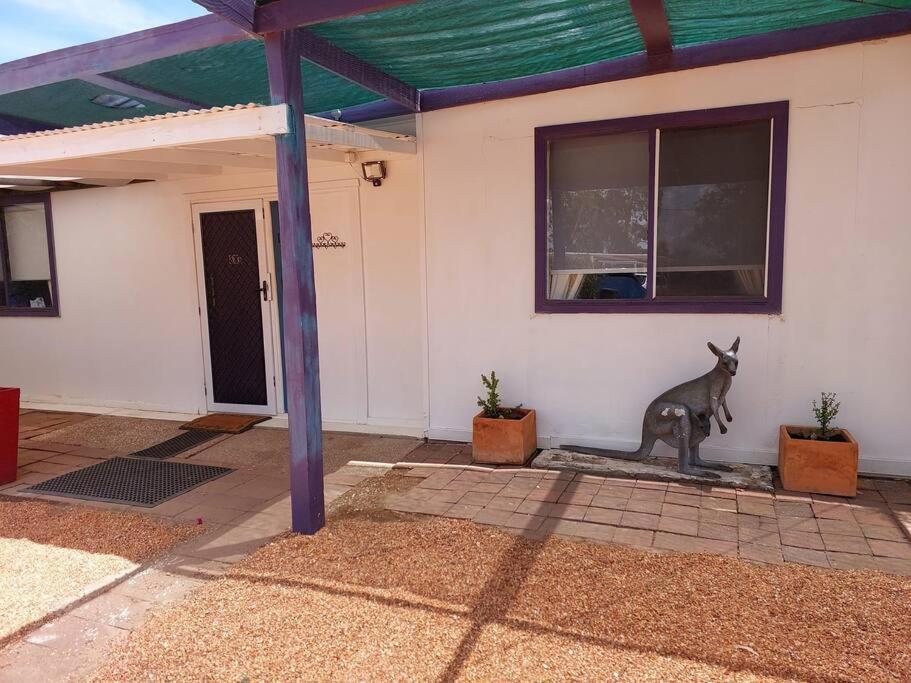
[813, 466]
[504, 442]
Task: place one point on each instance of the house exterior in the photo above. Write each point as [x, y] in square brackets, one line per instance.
[585, 242]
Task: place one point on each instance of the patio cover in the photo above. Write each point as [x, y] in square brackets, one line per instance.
[181, 145]
[448, 51]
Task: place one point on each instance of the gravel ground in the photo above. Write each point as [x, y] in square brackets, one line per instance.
[114, 433]
[382, 596]
[49, 553]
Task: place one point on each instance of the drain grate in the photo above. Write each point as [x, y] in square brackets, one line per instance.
[173, 446]
[136, 482]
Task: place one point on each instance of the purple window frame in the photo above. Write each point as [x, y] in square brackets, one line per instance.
[53, 310]
[777, 112]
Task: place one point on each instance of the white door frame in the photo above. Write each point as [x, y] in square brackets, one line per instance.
[262, 247]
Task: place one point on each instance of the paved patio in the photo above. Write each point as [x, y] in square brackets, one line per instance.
[871, 531]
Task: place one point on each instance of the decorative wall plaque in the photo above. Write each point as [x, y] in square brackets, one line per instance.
[328, 241]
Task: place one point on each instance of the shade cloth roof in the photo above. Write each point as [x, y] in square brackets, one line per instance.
[437, 44]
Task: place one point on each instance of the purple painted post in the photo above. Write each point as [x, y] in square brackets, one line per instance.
[299, 292]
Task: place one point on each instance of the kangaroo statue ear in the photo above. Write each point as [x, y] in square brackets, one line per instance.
[735, 345]
[714, 349]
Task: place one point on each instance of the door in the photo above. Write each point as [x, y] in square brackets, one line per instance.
[339, 275]
[235, 295]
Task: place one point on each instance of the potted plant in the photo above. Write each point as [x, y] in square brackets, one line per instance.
[819, 459]
[502, 436]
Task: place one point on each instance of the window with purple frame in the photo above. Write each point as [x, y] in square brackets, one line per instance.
[680, 212]
[28, 283]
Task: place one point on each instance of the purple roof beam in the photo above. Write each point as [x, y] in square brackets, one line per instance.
[125, 87]
[118, 53]
[286, 14]
[329, 56]
[654, 27]
[239, 12]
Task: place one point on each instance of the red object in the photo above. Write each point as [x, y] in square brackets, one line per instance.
[9, 434]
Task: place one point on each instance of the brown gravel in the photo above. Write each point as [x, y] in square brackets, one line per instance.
[394, 597]
[114, 433]
[50, 553]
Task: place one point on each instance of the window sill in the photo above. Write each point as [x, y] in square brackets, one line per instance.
[763, 307]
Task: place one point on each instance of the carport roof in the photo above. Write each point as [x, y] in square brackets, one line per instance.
[458, 51]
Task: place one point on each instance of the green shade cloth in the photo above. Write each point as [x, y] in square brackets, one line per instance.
[439, 43]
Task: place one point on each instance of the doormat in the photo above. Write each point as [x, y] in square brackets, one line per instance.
[225, 423]
[175, 445]
[144, 483]
[741, 476]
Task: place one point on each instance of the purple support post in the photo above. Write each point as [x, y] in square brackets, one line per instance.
[299, 291]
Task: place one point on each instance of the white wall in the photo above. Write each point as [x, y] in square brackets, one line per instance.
[129, 331]
[844, 327]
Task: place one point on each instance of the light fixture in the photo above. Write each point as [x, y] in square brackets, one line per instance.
[112, 101]
[374, 171]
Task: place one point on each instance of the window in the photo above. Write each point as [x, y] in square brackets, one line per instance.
[669, 213]
[28, 284]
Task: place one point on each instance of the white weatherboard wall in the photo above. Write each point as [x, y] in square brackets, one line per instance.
[129, 331]
[845, 325]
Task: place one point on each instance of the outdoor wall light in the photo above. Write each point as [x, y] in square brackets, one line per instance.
[374, 171]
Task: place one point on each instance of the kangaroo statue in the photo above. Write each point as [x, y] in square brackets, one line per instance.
[680, 417]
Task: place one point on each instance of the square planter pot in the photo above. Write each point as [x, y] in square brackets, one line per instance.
[812, 466]
[9, 434]
[504, 442]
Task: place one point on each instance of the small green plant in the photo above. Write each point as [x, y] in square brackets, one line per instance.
[491, 405]
[826, 411]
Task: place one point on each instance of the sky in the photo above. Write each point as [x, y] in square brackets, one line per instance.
[30, 27]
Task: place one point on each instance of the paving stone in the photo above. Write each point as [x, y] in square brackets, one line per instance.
[651, 507]
[675, 525]
[718, 517]
[645, 484]
[476, 498]
[817, 558]
[680, 511]
[801, 524]
[892, 565]
[756, 552]
[759, 508]
[789, 509]
[682, 499]
[603, 515]
[559, 527]
[833, 511]
[575, 498]
[495, 517]
[900, 550]
[874, 517]
[537, 507]
[840, 526]
[715, 503]
[792, 497]
[754, 522]
[71, 634]
[851, 561]
[763, 496]
[694, 544]
[589, 478]
[565, 511]
[647, 494]
[802, 539]
[884, 533]
[611, 502]
[209, 514]
[719, 492]
[595, 532]
[718, 532]
[639, 520]
[617, 481]
[498, 503]
[115, 609]
[762, 537]
[523, 521]
[637, 538]
[614, 491]
[583, 488]
[846, 544]
[461, 511]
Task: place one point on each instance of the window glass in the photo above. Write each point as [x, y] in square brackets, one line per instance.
[597, 236]
[24, 257]
[713, 191]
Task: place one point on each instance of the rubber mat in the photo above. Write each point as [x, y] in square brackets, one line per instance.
[145, 483]
[225, 423]
[175, 445]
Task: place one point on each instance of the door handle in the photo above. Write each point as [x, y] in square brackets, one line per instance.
[265, 290]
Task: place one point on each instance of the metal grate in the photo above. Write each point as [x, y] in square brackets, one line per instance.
[144, 483]
[175, 445]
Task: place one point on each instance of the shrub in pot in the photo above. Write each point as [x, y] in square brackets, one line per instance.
[502, 436]
[820, 459]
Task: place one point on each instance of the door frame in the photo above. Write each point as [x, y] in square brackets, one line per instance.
[267, 307]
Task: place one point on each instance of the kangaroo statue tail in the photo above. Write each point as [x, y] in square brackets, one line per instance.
[644, 450]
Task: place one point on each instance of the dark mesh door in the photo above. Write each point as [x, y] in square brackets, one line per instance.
[233, 301]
